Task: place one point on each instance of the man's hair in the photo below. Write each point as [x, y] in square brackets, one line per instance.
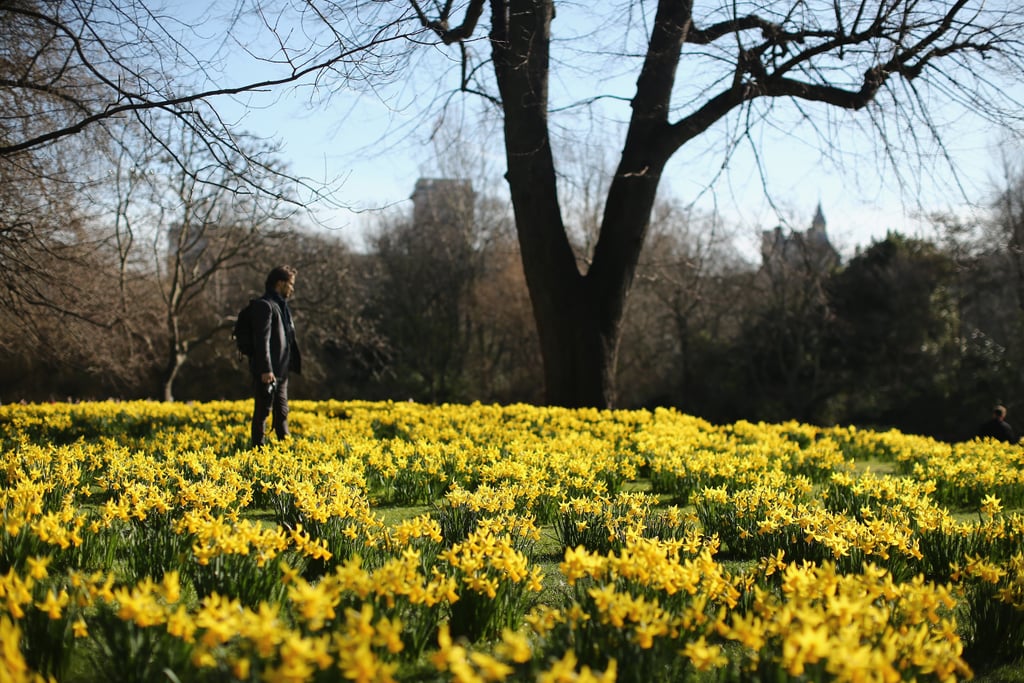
[279, 274]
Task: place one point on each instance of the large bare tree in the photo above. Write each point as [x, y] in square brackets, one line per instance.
[126, 196]
[848, 55]
[692, 68]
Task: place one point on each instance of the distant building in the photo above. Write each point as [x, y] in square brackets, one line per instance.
[443, 201]
[806, 251]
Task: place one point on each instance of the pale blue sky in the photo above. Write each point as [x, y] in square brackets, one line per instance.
[860, 203]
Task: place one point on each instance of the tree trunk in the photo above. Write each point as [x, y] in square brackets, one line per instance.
[174, 363]
[177, 352]
[579, 316]
[579, 354]
[576, 360]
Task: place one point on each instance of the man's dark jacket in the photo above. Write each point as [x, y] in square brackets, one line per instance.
[273, 335]
[997, 429]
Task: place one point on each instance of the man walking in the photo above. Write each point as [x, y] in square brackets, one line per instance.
[275, 353]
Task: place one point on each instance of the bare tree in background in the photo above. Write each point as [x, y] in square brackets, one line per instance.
[197, 228]
[1007, 227]
[77, 73]
[504, 354]
[691, 294]
[57, 273]
[344, 352]
[429, 264]
[94, 96]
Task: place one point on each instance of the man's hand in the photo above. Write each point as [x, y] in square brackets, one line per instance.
[267, 377]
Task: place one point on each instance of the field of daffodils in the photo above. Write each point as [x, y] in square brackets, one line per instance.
[146, 542]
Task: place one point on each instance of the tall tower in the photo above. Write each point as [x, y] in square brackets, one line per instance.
[818, 223]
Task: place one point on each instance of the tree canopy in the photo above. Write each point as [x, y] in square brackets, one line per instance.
[689, 71]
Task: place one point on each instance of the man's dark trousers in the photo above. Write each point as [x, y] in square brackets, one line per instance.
[275, 402]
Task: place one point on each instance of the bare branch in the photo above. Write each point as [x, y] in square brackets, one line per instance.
[141, 103]
[440, 26]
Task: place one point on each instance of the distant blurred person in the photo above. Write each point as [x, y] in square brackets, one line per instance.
[997, 427]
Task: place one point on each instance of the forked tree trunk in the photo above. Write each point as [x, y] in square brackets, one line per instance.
[578, 316]
[578, 354]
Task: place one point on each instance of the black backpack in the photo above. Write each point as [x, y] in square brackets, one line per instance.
[242, 333]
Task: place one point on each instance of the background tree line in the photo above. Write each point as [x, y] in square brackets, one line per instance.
[133, 109]
[129, 289]
[136, 216]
